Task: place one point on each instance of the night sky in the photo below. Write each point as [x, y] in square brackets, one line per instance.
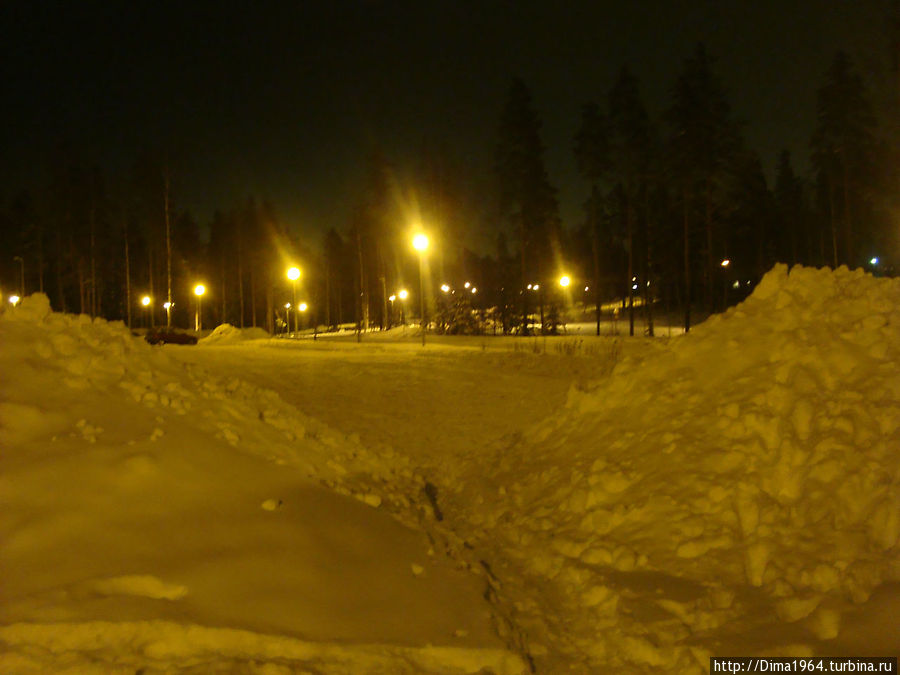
[284, 100]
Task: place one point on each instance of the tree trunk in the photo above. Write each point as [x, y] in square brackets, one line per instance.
[831, 206]
[629, 233]
[709, 247]
[849, 248]
[240, 269]
[252, 297]
[127, 278]
[687, 262]
[150, 265]
[595, 241]
[59, 263]
[93, 295]
[168, 252]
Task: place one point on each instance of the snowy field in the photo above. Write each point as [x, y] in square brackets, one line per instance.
[479, 505]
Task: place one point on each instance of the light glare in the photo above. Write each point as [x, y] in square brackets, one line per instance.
[564, 281]
[420, 242]
[199, 290]
[293, 273]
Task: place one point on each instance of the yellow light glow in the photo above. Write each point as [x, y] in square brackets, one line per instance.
[725, 263]
[287, 305]
[14, 300]
[564, 281]
[168, 305]
[302, 306]
[474, 290]
[293, 273]
[535, 287]
[445, 288]
[403, 294]
[199, 290]
[420, 242]
[392, 298]
[145, 301]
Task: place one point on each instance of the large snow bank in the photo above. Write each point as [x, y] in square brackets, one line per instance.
[228, 334]
[739, 487]
[155, 517]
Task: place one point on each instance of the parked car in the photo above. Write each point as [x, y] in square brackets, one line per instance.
[161, 336]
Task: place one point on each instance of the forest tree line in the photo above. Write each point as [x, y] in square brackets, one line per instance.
[669, 200]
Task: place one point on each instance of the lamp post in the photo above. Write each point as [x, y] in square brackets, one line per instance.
[293, 274]
[21, 262]
[403, 294]
[420, 243]
[168, 307]
[199, 290]
[145, 302]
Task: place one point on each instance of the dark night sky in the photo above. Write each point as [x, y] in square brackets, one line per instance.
[283, 99]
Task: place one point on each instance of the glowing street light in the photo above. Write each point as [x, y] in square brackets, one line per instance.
[445, 288]
[725, 263]
[145, 303]
[420, 243]
[873, 261]
[199, 290]
[168, 307]
[303, 307]
[403, 294]
[564, 281]
[293, 274]
[14, 300]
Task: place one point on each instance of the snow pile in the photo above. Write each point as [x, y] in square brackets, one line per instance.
[746, 474]
[228, 334]
[155, 517]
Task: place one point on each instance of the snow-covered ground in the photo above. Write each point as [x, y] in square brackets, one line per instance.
[574, 504]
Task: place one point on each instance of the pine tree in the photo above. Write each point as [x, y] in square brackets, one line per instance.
[630, 148]
[842, 153]
[703, 142]
[592, 154]
[526, 201]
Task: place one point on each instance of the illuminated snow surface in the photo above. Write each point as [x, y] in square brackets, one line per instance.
[480, 505]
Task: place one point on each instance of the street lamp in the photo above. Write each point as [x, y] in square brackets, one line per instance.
[420, 243]
[725, 263]
[564, 281]
[199, 290]
[168, 307]
[403, 295]
[293, 274]
[145, 303]
[14, 300]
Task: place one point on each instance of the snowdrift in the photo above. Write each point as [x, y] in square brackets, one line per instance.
[228, 334]
[737, 487]
[158, 518]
